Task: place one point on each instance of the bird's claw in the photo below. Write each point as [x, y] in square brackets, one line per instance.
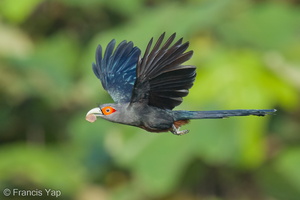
[176, 131]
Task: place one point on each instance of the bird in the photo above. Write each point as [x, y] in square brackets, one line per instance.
[145, 89]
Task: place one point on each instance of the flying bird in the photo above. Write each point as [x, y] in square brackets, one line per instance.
[146, 89]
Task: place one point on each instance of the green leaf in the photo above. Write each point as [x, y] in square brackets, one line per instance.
[282, 179]
[17, 11]
[265, 26]
[48, 168]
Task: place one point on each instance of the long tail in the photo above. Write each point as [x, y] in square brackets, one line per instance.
[217, 114]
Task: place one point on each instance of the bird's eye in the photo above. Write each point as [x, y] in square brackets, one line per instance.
[108, 110]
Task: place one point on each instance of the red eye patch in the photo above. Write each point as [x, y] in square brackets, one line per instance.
[108, 110]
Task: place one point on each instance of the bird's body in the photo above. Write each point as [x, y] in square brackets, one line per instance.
[154, 120]
[146, 90]
[157, 120]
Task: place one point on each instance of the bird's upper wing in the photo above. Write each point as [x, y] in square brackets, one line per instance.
[161, 79]
[117, 69]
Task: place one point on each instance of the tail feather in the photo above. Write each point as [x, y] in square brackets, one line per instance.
[217, 114]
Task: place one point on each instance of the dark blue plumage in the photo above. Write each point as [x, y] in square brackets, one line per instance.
[117, 70]
[145, 90]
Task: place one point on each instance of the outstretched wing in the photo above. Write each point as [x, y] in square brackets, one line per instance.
[117, 69]
[161, 79]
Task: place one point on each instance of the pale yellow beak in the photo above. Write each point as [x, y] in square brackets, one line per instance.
[91, 116]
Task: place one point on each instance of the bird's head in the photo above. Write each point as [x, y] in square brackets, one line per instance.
[109, 112]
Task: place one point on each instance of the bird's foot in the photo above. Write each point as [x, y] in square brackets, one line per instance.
[176, 131]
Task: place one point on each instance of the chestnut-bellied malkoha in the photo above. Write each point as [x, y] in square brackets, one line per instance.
[146, 89]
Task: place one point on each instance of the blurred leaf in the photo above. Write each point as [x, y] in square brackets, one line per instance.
[82, 3]
[287, 165]
[40, 166]
[234, 142]
[243, 80]
[282, 179]
[52, 65]
[17, 11]
[129, 7]
[156, 159]
[265, 26]
[288, 72]
[14, 42]
[147, 23]
[87, 144]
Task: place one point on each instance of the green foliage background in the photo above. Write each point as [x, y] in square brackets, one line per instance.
[248, 56]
